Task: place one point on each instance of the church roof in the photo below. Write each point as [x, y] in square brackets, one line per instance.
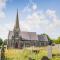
[42, 37]
[29, 35]
[25, 35]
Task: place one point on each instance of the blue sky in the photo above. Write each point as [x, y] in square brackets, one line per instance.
[41, 16]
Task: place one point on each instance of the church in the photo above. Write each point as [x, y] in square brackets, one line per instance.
[21, 39]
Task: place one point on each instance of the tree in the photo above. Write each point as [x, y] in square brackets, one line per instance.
[57, 41]
[1, 41]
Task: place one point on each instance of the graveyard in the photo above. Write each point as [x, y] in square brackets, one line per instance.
[26, 53]
[29, 29]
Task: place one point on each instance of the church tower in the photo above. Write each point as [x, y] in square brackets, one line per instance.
[16, 34]
[16, 27]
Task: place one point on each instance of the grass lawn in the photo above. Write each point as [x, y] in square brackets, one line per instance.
[24, 54]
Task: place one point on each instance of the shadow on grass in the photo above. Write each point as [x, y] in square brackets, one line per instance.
[55, 55]
[45, 58]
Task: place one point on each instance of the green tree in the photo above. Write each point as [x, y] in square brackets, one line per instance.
[1, 41]
[58, 40]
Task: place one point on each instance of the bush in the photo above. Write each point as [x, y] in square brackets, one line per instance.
[1, 41]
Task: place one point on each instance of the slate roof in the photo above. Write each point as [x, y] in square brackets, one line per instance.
[29, 35]
[42, 37]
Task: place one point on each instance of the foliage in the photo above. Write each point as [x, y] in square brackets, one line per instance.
[1, 41]
[57, 41]
[2, 52]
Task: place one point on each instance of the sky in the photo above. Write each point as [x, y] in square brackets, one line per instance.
[40, 16]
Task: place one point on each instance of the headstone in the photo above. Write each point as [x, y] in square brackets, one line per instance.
[49, 52]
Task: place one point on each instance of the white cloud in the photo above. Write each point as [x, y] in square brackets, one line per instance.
[34, 7]
[51, 14]
[41, 21]
[2, 7]
[3, 30]
[2, 15]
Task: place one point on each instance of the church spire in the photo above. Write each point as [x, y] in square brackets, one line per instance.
[16, 27]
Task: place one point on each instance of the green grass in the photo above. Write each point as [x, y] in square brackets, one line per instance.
[24, 54]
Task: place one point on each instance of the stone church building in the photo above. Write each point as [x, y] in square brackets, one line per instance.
[20, 39]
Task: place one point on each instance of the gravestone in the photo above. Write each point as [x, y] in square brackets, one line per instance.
[49, 49]
[49, 52]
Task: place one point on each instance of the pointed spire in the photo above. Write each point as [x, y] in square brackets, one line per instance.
[17, 22]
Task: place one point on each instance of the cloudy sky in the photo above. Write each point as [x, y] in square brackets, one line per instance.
[41, 16]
